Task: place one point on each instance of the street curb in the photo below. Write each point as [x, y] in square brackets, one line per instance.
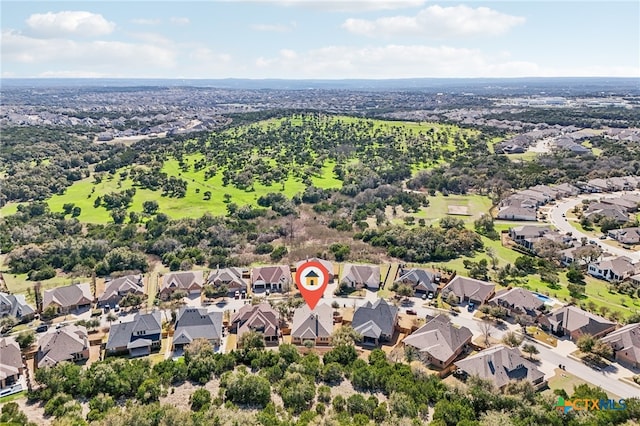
[531, 339]
[629, 382]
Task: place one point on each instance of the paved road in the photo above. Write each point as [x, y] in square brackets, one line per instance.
[557, 219]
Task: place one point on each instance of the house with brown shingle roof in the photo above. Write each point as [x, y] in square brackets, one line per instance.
[189, 281]
[262, 318]
[361, 276]
[519, 301]
[469, 290]
[422, 280]
[230, 277]
[376, 322]
[11, 365]
[276, 277]
[626, 235]
[312, 325]
[328, 265]
[68, 298]
[15, 305]
[574, 322]
[625, 343]
[501, 365]
[439, 342]
[117, 288]
[69, 343]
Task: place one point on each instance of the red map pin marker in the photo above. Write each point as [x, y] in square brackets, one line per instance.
[312, 278]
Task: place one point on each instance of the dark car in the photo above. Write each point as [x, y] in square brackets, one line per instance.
[471, 306]
[411, 312]
[42, 328]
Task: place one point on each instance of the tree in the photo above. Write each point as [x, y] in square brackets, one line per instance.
[576, 290]
[200, 400]
[7, 323]
[26, 339]
[345, 335]
[131, 299]
[404, 290]
[530, 349]
[149, 391]
[247, 389]
[575, 275]
[511, 339]
[485, 328]
[251, 340]
[340, 251]
[602, 349]
[150, 207]
[585, 343]
[278, 253]
[76, 211]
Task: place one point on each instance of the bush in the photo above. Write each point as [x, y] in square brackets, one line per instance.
[200, 400]
[263, 248]
[42, 274]
[278, 253]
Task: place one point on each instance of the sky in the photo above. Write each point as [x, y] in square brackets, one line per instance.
[306, 39]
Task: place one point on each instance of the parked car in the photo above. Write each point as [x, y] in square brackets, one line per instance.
[268, 292]
[116, 308]
[424, 296]
[42, 328]
[411, 312]
[236, 295]
[471, 306]
[107, 308]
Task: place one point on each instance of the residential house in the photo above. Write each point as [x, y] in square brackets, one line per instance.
[613, 268]
[525, 235]
[625, 343]
[138, 337]
[327, 265]
[69, 298]
[501, 365]
[361, 276]
[573, 255]
[16, 306]
[276, 277]
[11, 365]
[469, 290]
[376, 322]
[517, 213]
[614, 213]
[230, 277]
[549, 191]
[118, 288]
[621, 203]
[439, 342]
[574, 322]
[197, 323]
[190, 282]
[262, 318]
[519, 301]
[422, 280]
[601, 185]
[312, 325]
[626, 235]
[69, 343]
[635, 279]
[566, 190]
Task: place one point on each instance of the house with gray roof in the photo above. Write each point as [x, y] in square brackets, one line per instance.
[361, 276]
[613, 268]
[275, 277]
[11, 365]
[517, 213]
[116, 289]
[469, 290]
[138, 337]
[312, 325]
[566, 190]
[376, 322]
[16, 306]
[69, 343]
[574, 322]
[189, 281]
[197, 323]
[612, 212]
[230, 277]
[626, 235]
[501, 365]
[625, 343]
[422, 280]
[261, 318]
[519, 301]
[525, 235]
[439, 342]
[69, 298]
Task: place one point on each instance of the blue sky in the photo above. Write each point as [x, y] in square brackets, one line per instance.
[319, 39]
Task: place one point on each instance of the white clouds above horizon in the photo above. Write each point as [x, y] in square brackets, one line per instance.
[437, 22]
[68, 23]
[274, 28]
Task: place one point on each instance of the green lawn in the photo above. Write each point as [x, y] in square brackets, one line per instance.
[17, 283]
[439, 207]
[13, 397]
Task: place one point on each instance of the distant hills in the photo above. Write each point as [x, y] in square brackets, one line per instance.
[564, 85]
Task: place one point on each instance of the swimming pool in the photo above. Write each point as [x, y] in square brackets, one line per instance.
[545, 299]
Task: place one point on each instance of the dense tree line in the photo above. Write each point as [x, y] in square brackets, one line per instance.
[249, 378]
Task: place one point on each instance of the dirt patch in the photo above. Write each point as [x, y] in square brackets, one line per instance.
[34, 412]
[458, 210]
[178, 396]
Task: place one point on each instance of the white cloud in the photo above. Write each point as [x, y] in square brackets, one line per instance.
[351, 5]
[113, 58]
[391, 61]
[146, 21]
[68, 23]
[437, 22]
[275, 28]
[179, 20]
